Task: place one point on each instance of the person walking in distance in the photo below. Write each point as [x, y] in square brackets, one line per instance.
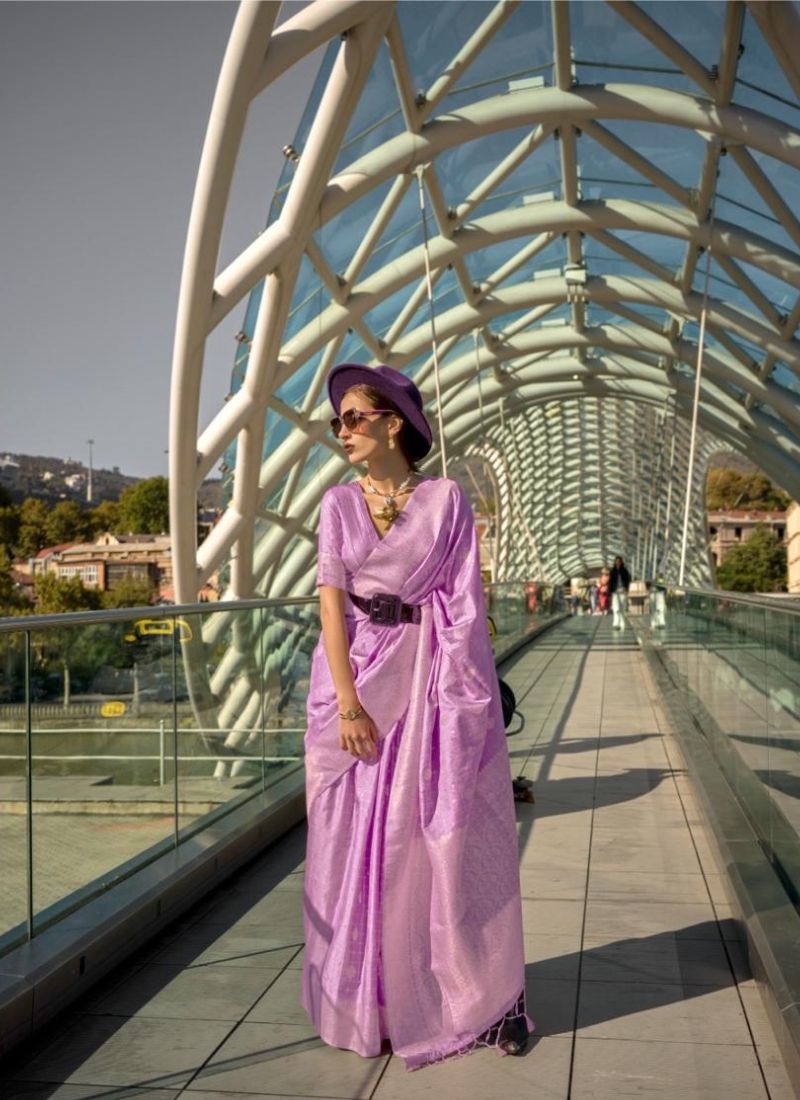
[412, 910]
[619, 582]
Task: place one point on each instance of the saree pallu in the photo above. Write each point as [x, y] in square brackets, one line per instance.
[412, 902]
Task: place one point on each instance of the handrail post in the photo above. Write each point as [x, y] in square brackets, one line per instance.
[162, 749]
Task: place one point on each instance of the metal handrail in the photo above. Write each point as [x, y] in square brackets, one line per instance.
[20, 623]
[744, 598]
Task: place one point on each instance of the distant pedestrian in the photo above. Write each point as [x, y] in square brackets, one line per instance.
[603, 593]
[593, 598]
[619, 582]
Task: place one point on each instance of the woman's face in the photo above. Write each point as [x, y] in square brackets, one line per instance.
[617, 562]
[369, 438]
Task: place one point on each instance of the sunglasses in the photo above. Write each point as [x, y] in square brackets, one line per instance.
[353, 417]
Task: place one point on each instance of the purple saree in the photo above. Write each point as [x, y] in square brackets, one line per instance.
[412, 902]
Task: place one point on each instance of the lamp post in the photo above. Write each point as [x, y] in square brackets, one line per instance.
[89, 478]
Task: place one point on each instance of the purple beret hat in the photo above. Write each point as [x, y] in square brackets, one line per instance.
[393, 384]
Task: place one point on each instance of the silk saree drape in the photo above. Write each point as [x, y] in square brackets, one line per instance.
[412, 903]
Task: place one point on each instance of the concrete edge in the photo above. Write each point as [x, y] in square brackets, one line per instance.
[769, 918]
[42, 977]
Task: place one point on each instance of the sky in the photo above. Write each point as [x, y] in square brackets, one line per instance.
[103, 112]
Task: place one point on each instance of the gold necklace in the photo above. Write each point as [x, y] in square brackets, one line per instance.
[389, 513]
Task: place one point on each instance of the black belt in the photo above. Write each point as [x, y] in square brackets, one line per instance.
[387, 610]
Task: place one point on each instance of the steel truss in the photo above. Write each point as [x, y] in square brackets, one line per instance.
[573, 376]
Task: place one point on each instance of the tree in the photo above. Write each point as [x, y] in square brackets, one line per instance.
[144, 507]
[32, 528]
[12, 600]
[129, 592]
[729, 489]
[105, 517]
[9, 527]
[757, 565]
[56, 595]
[66, 523]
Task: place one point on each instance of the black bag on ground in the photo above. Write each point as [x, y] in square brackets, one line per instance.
[508, 701]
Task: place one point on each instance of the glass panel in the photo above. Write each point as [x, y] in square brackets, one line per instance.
[739, 658]
[782, 766]
[134, 723]
[13, 782]
[101, 729]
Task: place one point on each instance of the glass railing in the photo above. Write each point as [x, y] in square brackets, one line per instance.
[514, 606]
[737, 658]
[124, 733]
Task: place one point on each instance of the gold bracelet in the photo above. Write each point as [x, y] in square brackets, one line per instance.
[351, 714]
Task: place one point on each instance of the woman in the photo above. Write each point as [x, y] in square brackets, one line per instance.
[412, 901]
[619, 582]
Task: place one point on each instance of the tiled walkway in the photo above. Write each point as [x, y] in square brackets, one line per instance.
[636, 978]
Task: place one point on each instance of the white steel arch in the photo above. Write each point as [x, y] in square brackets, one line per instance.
[582, 288]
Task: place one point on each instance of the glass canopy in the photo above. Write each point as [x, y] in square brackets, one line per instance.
[606, 196]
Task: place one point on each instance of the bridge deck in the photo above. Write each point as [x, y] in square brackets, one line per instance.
[636, 976]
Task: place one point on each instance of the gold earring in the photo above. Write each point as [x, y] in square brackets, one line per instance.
[391, 442]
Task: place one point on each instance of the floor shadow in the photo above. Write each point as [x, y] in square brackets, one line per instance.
[577, 793]
[786, 782]
[648, 972]
[255, 882]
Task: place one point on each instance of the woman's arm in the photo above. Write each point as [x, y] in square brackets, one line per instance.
[358, 735]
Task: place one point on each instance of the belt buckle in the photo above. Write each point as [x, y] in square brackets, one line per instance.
[385, 609]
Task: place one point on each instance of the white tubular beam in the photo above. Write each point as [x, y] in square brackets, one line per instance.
[338, 102]
[402, 76]
[243, 56]
[518, 155]
[477, 42]
[314, 26]
[663, 41]
[545, 106]
[554, 217]
[636, 161]
[780, 25]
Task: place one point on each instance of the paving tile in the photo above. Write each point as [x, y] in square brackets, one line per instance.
[280, 1003]
[25, 1090]
[213, 1095]
[646, 886]
[671, 853]
[552, 916]
[553, 956]
[610, 1069]
[669, 1013]
[108, 1050]
[238, 947]
[551, 1003]
[292, 1060]
[611, 921]
[553, 882]
[279, 916]
[661, 958]
[780, 1087]
[542, 1072]
[196, 993]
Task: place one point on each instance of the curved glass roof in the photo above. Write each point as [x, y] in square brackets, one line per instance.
[603, 191]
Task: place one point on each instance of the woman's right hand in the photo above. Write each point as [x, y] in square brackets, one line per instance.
[359, 737]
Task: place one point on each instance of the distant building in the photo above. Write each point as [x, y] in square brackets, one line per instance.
[727, 527]
[103, 564]
[793, 547]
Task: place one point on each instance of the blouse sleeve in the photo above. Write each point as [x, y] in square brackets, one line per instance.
[330, 567]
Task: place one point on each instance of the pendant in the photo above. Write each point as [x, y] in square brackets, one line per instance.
[389, 513]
